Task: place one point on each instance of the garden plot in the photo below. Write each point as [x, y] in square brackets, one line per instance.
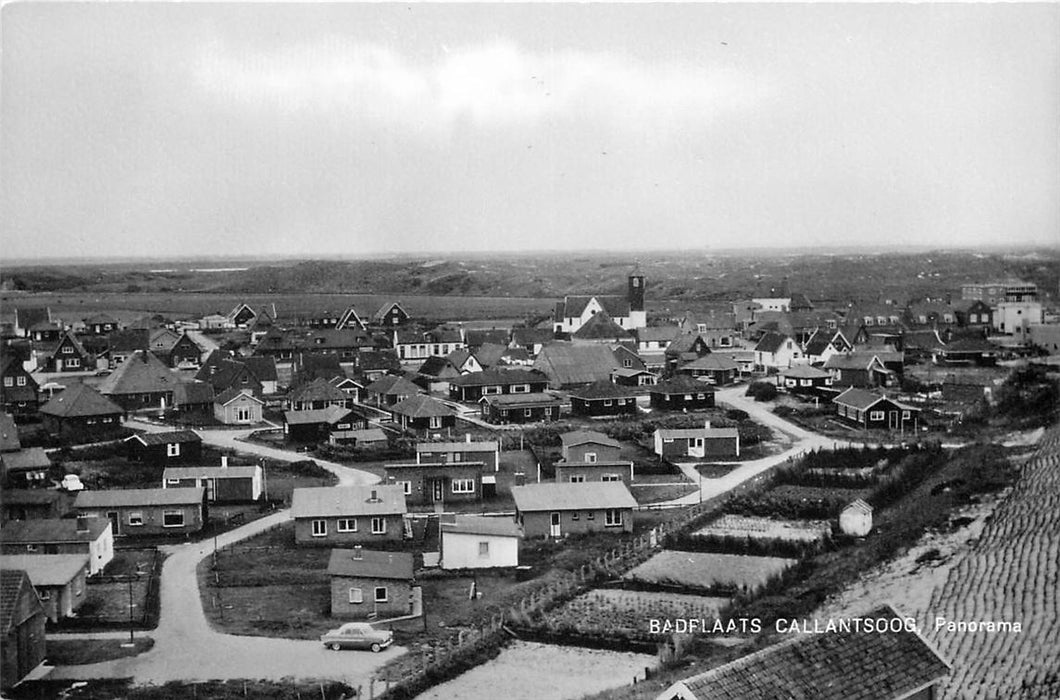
[806, 531]
[703, 571]
[609, 611]
[533, 671]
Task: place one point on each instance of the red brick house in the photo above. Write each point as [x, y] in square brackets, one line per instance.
[682, 393]
[171, 447]
[421, 414]
[59, 579]
[604, 399]
[141, 512]
[872, 411]
[81, 412]
[367, 584]
[19, 391]
[348, 515]
[428, 483]
[557, 510]
[520, 408]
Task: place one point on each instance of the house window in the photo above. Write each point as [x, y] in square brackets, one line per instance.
[173, 449]
[591, 515]
[9, 381]
[381, 595]
[608, 402]
[527, 412]
[242, 414]
[627, 363]
[356, 596]
[346, 525]
[520, 388]
[44, 594]
[484, 549]
[436, 422]
[173, 482]
[172, 518]
[406, 487]
[488, 390]
[875, 415]
[67, 350]
[73, 362]
[320, 528]
[906, 415]
[610, 477]
[577, 478]
[613, 517]
[136, 518]
[378, 526]
[457, 457]
[575, 515]
[31, 548]
[590, 457]
[463, 486]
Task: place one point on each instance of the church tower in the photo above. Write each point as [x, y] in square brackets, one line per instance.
[638, 317]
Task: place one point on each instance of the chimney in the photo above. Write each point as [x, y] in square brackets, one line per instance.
[467, 437]
[82, 523]
[707, 426]
[357, 553]
[374, 498]
[224, 461]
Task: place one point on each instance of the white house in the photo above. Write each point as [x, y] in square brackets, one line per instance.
[777, 351]
[856, 519]
[1015, 317]
[479, 542]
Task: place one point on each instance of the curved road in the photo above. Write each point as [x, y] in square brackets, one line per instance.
[187, 648]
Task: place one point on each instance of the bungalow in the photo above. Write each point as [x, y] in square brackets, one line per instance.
[520, 408]
[604, 399]
[872, 411]
[348, 515]
[140, 512]
[69, 355]
[701, 443]
[368, 584]
[714, 368]
[81, 412]
[858, 369]
[19, 391]
[588, 446]
[351, 387]
[469, 388]
[143, 381]
[890, 661]
[596, 471]
[25, 468]
[556, 510]
[34, 504]
[164, 448]
[682, 393]
[93, 537]
[804, 379]
[390, 389]
[237, 407]
[479, 542]
[223, 484]
[776, 351]
[437, 483]
[322, 425]
[22, 622]
[368, 437]
[421, 414]
[59, 580]
[223, 372]
[193, 398]
[976, 352]
[316, 395]
[436, 373]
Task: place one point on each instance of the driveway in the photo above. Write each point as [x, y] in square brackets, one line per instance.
[188, 649]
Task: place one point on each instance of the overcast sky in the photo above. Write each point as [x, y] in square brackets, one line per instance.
[312, 129]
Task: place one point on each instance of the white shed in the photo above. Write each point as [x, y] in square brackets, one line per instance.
[856, 519]
[479, 542]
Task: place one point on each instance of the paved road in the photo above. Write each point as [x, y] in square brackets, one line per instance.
[805, 441]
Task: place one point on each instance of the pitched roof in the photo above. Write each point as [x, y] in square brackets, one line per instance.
[26, 458]
[492, 377]
[705, 433]
[192, 392]
[581, 437]
[567, 364]
[590, 495]
[600, 327]
[79, 401]
[421, 406]
[681, 384]
[8, 433]
[573, 306]
[858, 398]
[604, 390]
[835, 666]
[391, 385]
[319, 389]
[521, 400]
[261, 366]
[52, 530]
[658, 333]
[369, 563]
[138, 497]
[853, 360]
[712, 362]
[860, 506]
[167, 438]
[481, 525]
[484, 446]
[331, 414]
[476, 337]
[805, 372]
[232, 393]
[142, 373]
[320, 501]
[47, 569]
[437, 366]
[366, 435]
[490, 354]
[532, 336]
[771, 342]
[233, 472]
[12, 583]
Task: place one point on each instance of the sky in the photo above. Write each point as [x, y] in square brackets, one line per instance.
[347, 129]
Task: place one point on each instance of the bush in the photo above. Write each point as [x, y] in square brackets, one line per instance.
[762, 391]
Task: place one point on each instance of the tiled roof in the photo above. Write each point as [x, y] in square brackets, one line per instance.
[532, 336]
[166, 438]
[658, 333]
[581, 437]
[79, 401]
[142, 373]
[323, 501]
[12, 583]
[367, 563]
[805, 372]
[834, 666]
[481, 525]
[261, 366]
[435, 366]
[492, 377]
[233, 472]
[713, 362]
[47, 569]
[600, 327]
[604, 390]
[319, 389]
[858, 398]
[572, 496]
[192, 393]
[521, 400]
[52, 530]
[567, 364]
[8, 434]
[26, 458]
[331, 414]
[390, 385]
[771, 342]
[681, 384]
[492, 336]
[231, 394]
[490, 354]
[573, 306]
[853, 360]
[138, 497]
[421, 406]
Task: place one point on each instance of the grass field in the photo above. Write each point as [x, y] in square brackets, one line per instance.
[73, 652]
[698, 570]
[611, 611]
[767, 528]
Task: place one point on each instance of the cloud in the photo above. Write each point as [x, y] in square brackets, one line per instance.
[495, 85]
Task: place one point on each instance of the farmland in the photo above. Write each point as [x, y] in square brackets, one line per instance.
[767, 528]
[609, 612]
[706, 571]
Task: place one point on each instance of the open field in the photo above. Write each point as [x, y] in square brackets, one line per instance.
[767, 528]
[608, 611]
[529, 671]
[699, 570]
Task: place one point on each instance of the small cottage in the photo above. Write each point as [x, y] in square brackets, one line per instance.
[479, 542]
[682, 393]
[171, 447]
[856, 519]
[421, 414]
[59, 580]
[348, 515]
[223, 484]
[238, 407]
[697, 443]
[140, 512]
[81, 412]
[872, 411]
[603, 399]
[370, 585]
[557, 510]
[428, 483]
[93, 537]
[520, 408]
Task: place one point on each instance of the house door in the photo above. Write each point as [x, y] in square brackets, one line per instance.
[113, 516]
[892, 421]
[210, 486]
[554, 529]
[437, 489]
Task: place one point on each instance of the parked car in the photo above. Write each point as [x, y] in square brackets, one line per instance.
[357, 635]
[72, 482]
